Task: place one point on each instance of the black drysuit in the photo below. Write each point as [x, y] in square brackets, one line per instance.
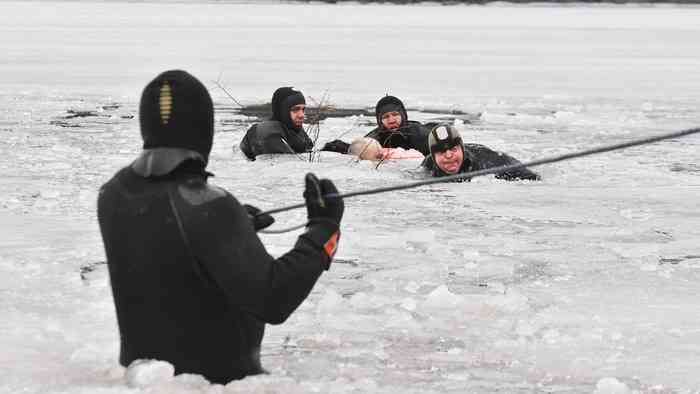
[479, 157]
[410, 135]
[279, 134]
[273, 136]
[192, 283]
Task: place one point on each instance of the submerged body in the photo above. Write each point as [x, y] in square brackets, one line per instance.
[273, 136]
[450, 156]
[393, 130]
[479, 157]
[284, 132]
[366, 148]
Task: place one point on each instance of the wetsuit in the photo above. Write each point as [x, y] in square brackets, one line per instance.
[409, 135]
[274, 137]
[479, 157]
[192, 283]
[279, 134]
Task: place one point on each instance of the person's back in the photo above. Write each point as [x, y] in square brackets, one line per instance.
[154, 275]
[283, 132]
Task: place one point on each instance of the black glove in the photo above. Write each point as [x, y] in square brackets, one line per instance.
[259, 222]
[336, 146]
[324, 216]
[318, 207]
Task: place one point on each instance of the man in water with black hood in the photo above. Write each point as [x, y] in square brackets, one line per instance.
[393, 130]
[284, 132]
[191, 281]
[450, 156]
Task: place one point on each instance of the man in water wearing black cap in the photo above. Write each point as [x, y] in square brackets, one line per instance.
[393, 130]
[450, 156]
[191, 281]
[284, 132]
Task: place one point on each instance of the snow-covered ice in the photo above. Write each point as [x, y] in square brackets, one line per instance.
[584, 282]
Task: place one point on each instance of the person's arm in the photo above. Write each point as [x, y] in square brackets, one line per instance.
[226, 246]
[338, 146]
[418, 138]
[428, 163]
[375, 133]
[487, 158]
[245, 146]
[518, 174]
[299, 141]
[266, 137]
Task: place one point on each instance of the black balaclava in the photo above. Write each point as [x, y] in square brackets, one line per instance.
[441, 138]
[176, 111]
[390, 104]
[282, 101]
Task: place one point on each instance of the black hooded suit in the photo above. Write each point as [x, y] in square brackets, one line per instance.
[277, 135]
[203, 269]
[191, 281]
[479, 157]
[410, 135]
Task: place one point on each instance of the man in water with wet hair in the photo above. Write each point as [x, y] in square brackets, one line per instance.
[284, 132]
[450, 156]
[191, 281]
[366, 148]
[393, 130]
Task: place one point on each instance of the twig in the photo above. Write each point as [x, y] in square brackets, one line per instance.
[227, 93]
[314, 129]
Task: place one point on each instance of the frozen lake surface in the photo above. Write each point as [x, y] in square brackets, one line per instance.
[585, 282]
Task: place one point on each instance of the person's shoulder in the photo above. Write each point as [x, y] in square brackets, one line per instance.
[196, 192]
[415, 123]
[270, 127]
[478, 148]
[419, 128]
[374, 132]
[120, 176]
[428, 163]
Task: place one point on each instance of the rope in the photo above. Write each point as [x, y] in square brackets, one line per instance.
[284, 230]
[493, 170]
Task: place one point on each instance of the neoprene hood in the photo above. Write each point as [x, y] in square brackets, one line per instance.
[176, 111]
[390, 104]
[443, 137]
[283, 100]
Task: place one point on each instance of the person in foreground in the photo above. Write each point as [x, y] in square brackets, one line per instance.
[284, 132]
[393, 130]
[191, 281]
[450, 156]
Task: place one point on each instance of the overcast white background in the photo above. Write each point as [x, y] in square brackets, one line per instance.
[586, 281]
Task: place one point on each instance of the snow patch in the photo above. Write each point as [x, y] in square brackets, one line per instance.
[611, 386]
[147, 373]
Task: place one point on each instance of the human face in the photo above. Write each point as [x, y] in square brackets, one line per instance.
[450, 160]
[297, 115]
[391, 120]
